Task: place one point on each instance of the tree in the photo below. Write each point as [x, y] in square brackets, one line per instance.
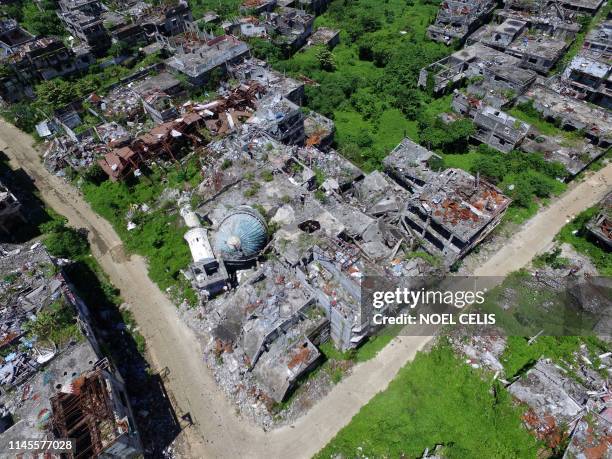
[451, 137]
[492, 167]
[63, 241]
[55, 93]
[42, 20]
[326, 60]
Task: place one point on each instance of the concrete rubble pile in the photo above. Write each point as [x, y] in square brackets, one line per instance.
[37, 370]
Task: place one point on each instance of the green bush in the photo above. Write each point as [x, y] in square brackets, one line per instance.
[64, 241]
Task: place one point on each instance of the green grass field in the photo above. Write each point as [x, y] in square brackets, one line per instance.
[436, 399]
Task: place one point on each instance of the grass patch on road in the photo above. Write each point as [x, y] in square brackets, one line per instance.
[436, 399]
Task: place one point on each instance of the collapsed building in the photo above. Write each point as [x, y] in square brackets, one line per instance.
[275, 82]
[553, 397]
[499, 71]
[600, 226]
[572, 114]
[56, 389]
[560, 405]
[598, 42]
[198, 61]
[290, 27]
[38, 60]
[10, 209]
[167, 141]
[457, 19]
[452, 211]
[83, 19]
[575, 156]
[590, 80]
[535, 51]
[494, 127]
[280, 118]
[11, 36]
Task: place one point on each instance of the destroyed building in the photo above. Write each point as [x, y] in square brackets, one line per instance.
[590, 79]
[536, 51]
[46, 387]
[290, 27]
[498, 70]
[95, 412]
[452, 211]
[83, 19]
[313, 6]
[168, 19]
[257, 6]
[37, 60]
[280, 118]
[198, 63]
[600, 226]
[10, 209]
[156, 93]
[575, 156]
[598, 42]
[325, 36]
[543, 17]
[572, 114]
[11, 36]
[494, 127]
[275, 82]
[456, 19]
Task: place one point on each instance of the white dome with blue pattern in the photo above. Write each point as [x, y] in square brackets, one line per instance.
[241, 236]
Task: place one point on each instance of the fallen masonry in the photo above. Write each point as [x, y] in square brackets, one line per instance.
[56, 386]
[600, 227]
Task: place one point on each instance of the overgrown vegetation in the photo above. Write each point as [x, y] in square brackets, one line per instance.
[38, 18]
[575, 234]
[55, 325]
[368, 84]
[526, 177]
[158, 235]
[427, 405]
[59, 92]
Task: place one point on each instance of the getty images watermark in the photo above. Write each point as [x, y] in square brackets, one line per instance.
[407, 299]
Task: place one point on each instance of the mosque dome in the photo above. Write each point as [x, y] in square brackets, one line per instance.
[241, 235]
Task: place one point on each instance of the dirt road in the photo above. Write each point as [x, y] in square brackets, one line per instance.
[218, 432]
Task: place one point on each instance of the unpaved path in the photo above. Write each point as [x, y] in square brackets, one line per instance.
[219, 432]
